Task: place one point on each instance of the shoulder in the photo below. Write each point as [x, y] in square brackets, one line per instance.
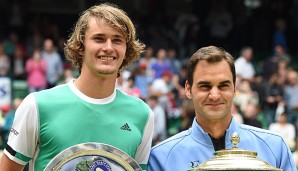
[54, 95]
[122, 94]
[57, 91]
[131, 101]
[167, 145]
[266, 136]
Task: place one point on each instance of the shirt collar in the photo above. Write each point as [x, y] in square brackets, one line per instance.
[199, 135]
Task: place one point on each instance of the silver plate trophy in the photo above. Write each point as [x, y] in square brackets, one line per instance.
[93, 157]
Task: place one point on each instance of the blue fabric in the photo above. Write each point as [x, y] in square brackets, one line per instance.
[8, 121]
[190, 148]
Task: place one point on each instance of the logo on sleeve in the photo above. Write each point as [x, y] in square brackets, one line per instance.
[125, 127]
[194, 164]
[15, 132]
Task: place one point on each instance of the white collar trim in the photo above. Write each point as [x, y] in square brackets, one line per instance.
[82, 96]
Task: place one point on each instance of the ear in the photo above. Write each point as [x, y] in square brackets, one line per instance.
[187, 90]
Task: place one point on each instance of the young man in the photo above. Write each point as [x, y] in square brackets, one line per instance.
[211, 87]
[89, 108]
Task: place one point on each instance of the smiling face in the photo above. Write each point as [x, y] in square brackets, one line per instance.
[104, 49]
[212, 91]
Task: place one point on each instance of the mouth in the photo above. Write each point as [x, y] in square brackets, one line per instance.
[214, 104]
[106, 58]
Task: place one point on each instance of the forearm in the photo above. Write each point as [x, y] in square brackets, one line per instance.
[8, 165]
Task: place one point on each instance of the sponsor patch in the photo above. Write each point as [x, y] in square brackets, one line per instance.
[100, 165]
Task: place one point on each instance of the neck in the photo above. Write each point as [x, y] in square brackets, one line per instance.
[215, 128]
[97, 88]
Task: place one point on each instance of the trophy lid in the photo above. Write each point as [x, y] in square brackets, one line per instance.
[235, 159]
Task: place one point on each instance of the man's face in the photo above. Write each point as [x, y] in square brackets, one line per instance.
[104, 50]
[48, 45]
[212, 91]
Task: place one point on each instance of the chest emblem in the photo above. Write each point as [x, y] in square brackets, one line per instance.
[125, 127]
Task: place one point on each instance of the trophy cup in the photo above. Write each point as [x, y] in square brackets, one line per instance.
[235, 159]
[92, 157]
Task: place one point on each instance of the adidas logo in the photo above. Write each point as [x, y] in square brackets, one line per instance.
[125, 127]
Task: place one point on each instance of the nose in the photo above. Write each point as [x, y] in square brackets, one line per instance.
[214, 94]
[107, 46]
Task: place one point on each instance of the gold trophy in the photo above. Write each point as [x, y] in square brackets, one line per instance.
[92, 157]
[235, 159]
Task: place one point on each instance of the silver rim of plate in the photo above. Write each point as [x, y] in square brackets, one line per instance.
[106, 154]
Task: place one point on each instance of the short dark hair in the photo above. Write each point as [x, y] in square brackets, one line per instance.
[211, 54]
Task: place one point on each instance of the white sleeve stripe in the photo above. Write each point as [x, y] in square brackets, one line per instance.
[13, 158]
[144, 148]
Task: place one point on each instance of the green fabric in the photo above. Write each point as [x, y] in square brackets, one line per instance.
[66, 120]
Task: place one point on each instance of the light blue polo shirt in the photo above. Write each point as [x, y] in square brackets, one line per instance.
[190, 148]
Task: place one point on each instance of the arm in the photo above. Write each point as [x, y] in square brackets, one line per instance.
[8, 165]
[287, 161]
[154, 163]
[22, 140]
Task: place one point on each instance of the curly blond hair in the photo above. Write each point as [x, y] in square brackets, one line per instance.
[116, 18]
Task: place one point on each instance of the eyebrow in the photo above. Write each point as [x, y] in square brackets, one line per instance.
[207, 82]
[116, 35]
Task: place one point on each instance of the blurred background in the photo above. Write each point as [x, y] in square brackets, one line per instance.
[262, 33]
[167, 23]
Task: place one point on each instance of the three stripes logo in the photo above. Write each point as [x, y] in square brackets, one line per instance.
[125, 127]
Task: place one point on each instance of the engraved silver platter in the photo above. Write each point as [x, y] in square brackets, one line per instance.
[92, 157]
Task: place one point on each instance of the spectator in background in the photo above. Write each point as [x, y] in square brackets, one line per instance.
[285, 129]
[178, 81]
[280, 52]
[279, 36]
[60, 50]
[270, 64]
[18, 64]
[220, 23]
[259, 85]
[186, 26]
[142, 80]
[291, 97]
[273, 97]
[243, 64]
[160, 125]
[67, 76]
[187, 114]
[148, 59]
[4, 111]
[12, 43]
[161, 64]
[173, 60]
[130, 87]
[160, 87]
[250, 114]
[36, 72]
[245, 95]
[283, 68]
[53, 62]
[236, 114]
[4, 62]
[8, 118]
